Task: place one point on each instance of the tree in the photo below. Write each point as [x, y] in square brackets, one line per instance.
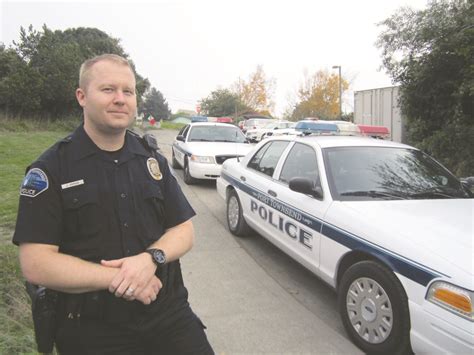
[318, 96]
[155, 104]
[430, 54]
[222, 102]
[44, 76]
[257, 92]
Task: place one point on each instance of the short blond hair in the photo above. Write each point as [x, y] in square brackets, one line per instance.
[84, 72]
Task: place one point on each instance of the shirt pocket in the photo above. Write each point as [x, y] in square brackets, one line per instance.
[82, 213]
[153, 211]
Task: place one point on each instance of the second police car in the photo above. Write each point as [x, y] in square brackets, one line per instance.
[201, 147]
[383, 223]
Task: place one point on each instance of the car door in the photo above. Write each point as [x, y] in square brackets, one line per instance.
[259, 197]
[305, 212]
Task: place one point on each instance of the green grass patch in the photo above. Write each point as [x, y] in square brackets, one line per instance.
[16, 325]
[17, 151]
[170, 125]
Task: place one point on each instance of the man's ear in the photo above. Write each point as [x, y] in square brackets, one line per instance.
[81, 97]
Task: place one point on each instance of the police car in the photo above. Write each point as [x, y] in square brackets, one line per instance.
[201, 147]
[383, 223]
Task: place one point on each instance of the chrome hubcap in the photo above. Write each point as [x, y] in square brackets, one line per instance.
[233, 212]
[369, 310]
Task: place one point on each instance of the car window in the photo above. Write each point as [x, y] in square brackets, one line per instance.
[364, 173]
[186, 130]
[266, 159]
[228, 133]
[301, 162]
[181, 131]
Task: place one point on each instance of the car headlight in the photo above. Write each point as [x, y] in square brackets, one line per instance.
[453, 298]
[202, 159]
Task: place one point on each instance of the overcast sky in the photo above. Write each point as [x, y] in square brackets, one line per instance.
[189, 48]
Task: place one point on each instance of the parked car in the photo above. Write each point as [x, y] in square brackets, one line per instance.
[200, 149]
[253, 123]
[385, 225]
[257, 134]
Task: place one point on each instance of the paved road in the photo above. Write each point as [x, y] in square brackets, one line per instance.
[252, 297]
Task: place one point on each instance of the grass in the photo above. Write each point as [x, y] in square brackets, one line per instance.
[16, 325]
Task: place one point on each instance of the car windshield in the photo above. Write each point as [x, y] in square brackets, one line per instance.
[216, 134]
[365, 173]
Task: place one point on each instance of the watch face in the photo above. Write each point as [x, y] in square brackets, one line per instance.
[159, 256]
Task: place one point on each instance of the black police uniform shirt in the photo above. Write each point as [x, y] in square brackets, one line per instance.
[98, 205]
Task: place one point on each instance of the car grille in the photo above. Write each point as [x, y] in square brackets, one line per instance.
[222, 158]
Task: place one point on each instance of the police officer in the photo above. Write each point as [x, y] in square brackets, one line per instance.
[103, 221]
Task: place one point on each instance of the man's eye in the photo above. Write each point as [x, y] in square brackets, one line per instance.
[128, 92]
[107, 89]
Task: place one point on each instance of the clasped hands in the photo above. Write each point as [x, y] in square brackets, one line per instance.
[136, 278]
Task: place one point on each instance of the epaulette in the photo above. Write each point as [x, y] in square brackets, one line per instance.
[67, 139]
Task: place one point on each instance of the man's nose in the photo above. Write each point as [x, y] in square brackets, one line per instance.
[119, 97]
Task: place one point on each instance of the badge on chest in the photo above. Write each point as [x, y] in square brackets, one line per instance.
[154, 168]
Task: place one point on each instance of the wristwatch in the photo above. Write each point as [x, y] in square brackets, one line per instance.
[158, 256]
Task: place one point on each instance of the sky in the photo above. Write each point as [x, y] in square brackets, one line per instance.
[189, 48]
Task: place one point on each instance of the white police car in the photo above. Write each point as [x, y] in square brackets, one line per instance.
[200, 149]
[384, 224]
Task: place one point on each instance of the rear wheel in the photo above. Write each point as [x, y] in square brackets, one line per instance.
[188, 179]
[235, 218]
[374, 309]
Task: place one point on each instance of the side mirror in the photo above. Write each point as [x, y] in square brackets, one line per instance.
[180, 138]
[275, 128]
[305, 186]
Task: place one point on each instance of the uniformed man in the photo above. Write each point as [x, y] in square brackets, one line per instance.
[103, 221]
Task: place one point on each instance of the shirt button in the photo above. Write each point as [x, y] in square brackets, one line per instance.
[123, 195]
[75, 200]
[125, 225]
[128, 251]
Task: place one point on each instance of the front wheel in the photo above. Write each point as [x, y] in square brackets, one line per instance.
[235, 218]
[374, 309]
[174, 162]
[188, 179]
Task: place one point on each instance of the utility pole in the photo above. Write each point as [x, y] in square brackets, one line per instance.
[340, 90]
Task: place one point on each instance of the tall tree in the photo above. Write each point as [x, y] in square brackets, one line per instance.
[46, 72]
[430, 54]
[257, 92]
[222, 102]
[155, 104]
[318, 96]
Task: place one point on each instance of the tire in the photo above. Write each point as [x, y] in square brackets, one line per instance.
[174, 162]
[374, 309]
[235, 219]
[188, 179]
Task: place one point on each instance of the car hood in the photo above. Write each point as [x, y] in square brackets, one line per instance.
[218, 148]
[434, 233]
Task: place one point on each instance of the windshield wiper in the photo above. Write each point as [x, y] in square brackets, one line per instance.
[224, 140]
[200, 140]
[431, 193]
[373, 193]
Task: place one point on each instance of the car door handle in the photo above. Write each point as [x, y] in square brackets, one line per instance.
[243, 178]
[272, 193]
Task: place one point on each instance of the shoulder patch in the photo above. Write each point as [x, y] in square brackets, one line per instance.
[34, 183]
